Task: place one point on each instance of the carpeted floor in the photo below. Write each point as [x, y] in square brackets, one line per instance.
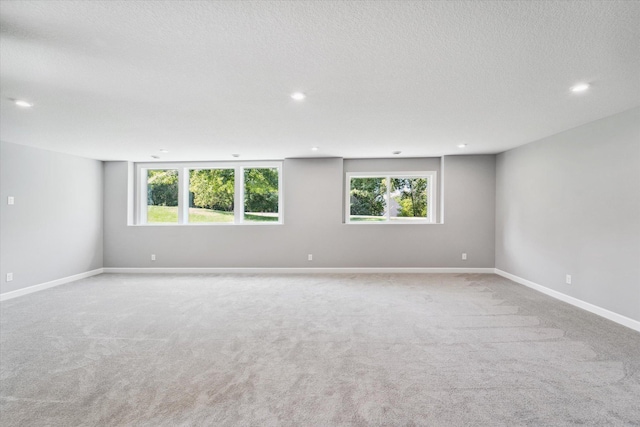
[311, 350]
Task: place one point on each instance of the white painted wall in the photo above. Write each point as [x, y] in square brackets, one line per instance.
[313, 223]
[570, 204]
[54, 229]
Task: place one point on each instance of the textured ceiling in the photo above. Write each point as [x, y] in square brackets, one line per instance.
[121, 80]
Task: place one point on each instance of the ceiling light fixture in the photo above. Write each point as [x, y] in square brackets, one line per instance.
[580, 87]
[155, 157]
[314, 148]
[23, 104]
[462, 145]
[162, 150]
[298, 96]
[395, 153]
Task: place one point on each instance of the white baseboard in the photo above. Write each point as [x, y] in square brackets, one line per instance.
[615, 317]
[298, 270]
[42, 286]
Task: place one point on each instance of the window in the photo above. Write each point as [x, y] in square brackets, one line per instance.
[391, 197]
[162, 196]
[210, 193]
[261, 195]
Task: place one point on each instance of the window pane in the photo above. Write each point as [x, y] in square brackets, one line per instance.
[211, 193]
[367, 198]
[408, 198]
[261, 195]
[162, 196]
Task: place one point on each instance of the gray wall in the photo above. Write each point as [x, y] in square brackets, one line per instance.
[54, 230]
[570, 204]
[313, 198]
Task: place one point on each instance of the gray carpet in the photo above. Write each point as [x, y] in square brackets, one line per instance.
[312, 350]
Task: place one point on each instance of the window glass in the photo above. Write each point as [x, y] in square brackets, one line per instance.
[162, 196]
[368, 199]
[408, 198]
[211, 195]
[261, 195]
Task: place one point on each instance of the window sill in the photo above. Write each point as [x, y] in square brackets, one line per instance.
[213, 224]
[386, 223]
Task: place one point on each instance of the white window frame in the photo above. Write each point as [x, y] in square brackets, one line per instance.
[183, 191]
[432, 186]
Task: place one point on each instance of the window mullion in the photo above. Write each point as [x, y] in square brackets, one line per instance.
[280, 196]
[238, 198]
[142, 200]
[183, 195]
[388, 178]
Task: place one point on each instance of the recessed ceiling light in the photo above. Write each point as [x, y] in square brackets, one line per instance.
[462, 145]
[580, 87]
[162, 150]
[298, 96]
[235, 155]
[155, 157]
[314, 148]
[397, 152]
[23, 104]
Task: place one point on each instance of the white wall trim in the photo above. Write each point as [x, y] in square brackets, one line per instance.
[42, 286]
[298, 270]
[615, 317]
[607, 314]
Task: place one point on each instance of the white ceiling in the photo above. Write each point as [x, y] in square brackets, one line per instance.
[119, 80]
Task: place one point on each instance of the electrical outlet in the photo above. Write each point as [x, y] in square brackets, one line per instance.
[464, 256]
[568, 279]
[11, 200]
[9, 277]
[153, 257]
[310, 257]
